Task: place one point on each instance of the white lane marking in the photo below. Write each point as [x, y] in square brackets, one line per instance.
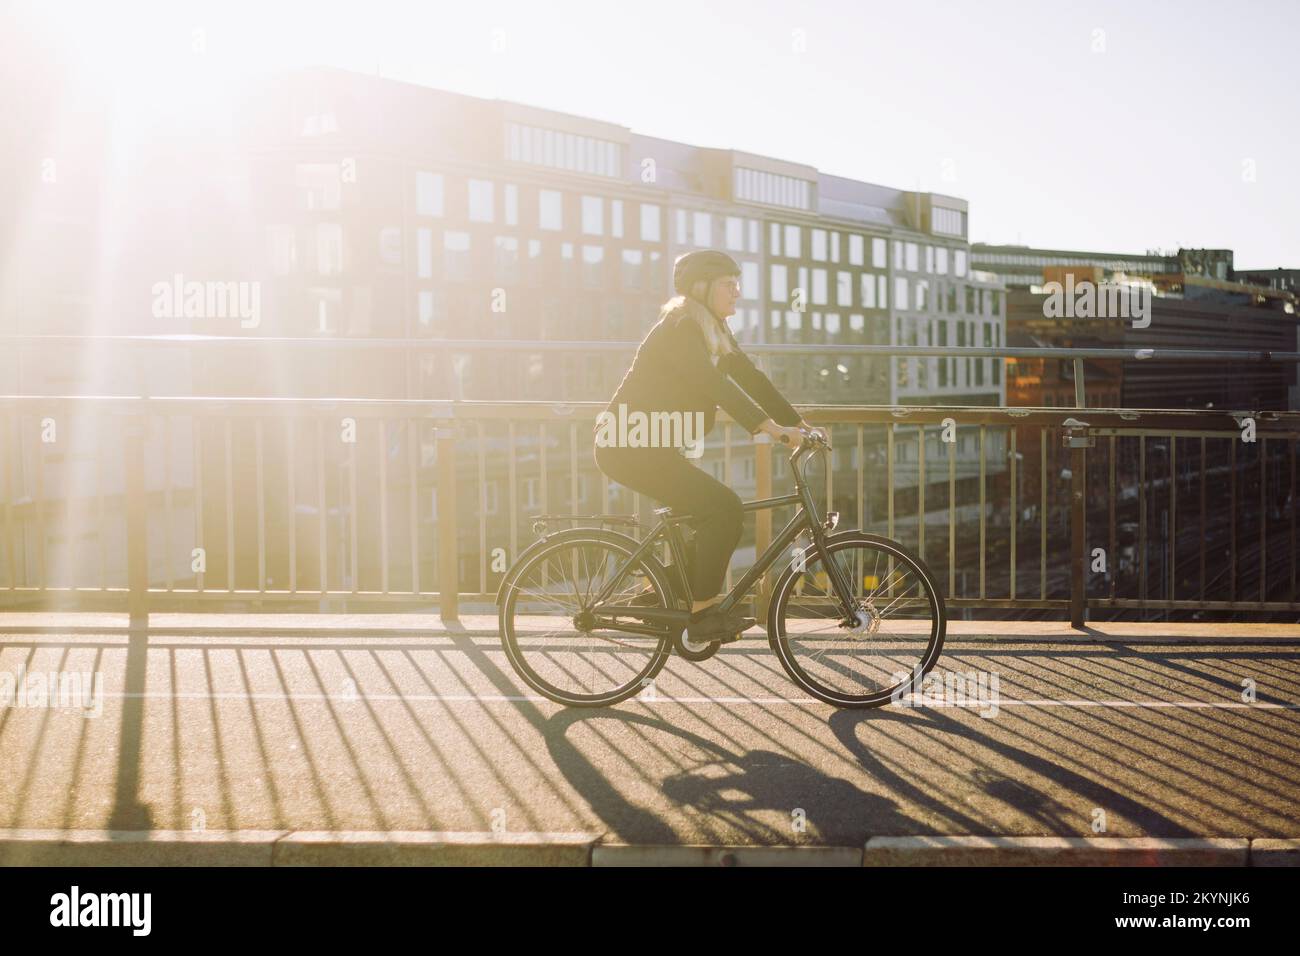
[497, 698]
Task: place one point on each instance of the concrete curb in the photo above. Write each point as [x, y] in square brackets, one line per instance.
[631, 855]
[291, 848]
[1275, 852]
[137, 847]
[426, 848]
[1054, 851]
[360, 848]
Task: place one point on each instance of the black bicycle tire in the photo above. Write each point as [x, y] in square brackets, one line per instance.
[529, 676]
[780, 599]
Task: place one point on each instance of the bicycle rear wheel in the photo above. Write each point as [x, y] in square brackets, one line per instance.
[551, 638]
[877, 650]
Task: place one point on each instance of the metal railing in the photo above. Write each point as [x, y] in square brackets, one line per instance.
[160, 503]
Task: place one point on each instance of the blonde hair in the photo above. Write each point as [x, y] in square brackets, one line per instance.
[715, 338]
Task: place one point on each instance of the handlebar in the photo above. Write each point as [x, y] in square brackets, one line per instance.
[811, 439]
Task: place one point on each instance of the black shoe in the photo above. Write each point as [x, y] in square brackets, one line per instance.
[713, 625]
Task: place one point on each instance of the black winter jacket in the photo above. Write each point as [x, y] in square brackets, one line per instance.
[673, 371]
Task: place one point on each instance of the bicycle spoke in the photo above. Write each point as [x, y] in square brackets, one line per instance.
[856, 664]
[577, 659]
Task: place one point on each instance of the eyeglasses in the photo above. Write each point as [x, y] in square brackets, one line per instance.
[730, 284]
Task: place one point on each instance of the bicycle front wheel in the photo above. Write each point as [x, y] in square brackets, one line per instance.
[556, 644]
[873, 652]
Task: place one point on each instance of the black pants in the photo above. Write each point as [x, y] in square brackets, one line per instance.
[666, 475]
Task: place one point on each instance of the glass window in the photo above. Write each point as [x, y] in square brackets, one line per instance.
[900, 292]
[792, 242]
[912, 255]
[929, 258]
[941, 260]
[681, 227]
[749, 280]
[319, 185]
[550, 209]
[455, 257]
[703, 229]
[779, 276]
[898, 253]
[426, 308]
[593, 214]
[480, 200]
[959, 262]
[774, 238]
[593, 258]
[512, 204]
[819, 244]
[868, 290]
[507, 259]
[855, 250]
[428, 194]
[424, 253]
[819, 286]
[882, 292]
[632, 264]
[835, 247]
[735, 234]
[843, 288]
[879, 253]
[616, 218]
[753, 235]
[649, 222]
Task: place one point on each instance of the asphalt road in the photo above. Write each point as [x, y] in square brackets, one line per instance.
[226, 724]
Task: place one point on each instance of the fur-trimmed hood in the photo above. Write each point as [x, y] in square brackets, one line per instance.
[716, 334]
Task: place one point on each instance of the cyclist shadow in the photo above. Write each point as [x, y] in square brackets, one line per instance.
[736, 790]
[1025, 797]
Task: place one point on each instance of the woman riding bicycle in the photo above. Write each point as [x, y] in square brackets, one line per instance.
[685, 364]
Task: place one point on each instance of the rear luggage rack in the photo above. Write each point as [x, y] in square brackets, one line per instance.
[540, 522]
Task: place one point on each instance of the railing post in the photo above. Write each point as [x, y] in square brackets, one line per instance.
[448, 559]
[137, 530]
[1076, 439]
[762, 518]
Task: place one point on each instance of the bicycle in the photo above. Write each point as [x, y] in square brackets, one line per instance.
[832, 620]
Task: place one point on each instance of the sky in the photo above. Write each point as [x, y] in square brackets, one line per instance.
[1098, 126]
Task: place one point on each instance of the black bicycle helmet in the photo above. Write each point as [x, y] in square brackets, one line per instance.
[708, 265]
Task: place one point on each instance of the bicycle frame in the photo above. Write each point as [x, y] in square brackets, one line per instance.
[806, 518]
